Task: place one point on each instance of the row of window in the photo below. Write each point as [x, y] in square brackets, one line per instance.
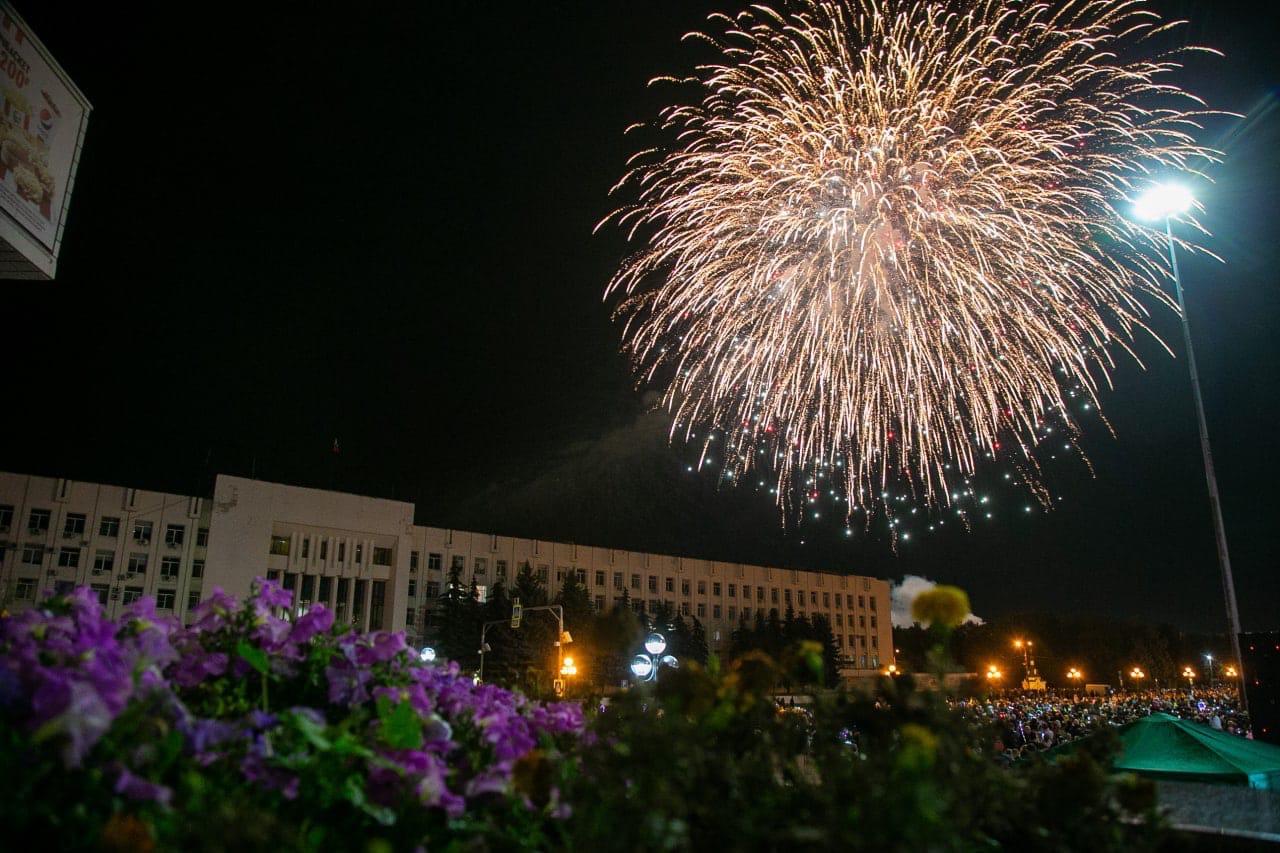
[38, 521]
[283, 545]
[103, 561]
[25, 590]
[319, 588]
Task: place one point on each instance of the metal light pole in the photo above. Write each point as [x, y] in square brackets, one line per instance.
[1165, 202]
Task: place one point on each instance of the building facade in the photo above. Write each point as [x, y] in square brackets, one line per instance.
[367, 560]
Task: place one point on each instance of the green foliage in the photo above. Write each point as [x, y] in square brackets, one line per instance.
[706, 761]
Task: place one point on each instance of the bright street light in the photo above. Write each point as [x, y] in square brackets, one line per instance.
[427, 655]
[1163, 201]
[1166, 201]
[1074, 674]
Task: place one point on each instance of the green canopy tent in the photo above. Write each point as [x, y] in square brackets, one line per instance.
[1164, 747]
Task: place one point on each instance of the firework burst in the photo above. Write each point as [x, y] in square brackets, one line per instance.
[885, 237]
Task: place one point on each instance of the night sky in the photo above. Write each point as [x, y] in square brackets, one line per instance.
[377, 227]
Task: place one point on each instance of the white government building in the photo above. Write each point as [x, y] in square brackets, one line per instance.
[367, 560]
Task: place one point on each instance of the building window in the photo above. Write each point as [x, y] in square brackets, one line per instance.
[746, 591]
[381, 556]
[840, 640]
[69, 558]
[104, 561]
[324, 549]
[25, 590]
[839, 620]
[101, 590]
[197, 568]
[715, 611]
[702, 587]
[433, 589]
[684, 608]
[670, 584]
[635, 581]
[434, 562]
[6, 517]
[733, 590]
[33, 555]
[280, 546]
[862, 602]
[654, 605]
[138, 564]
[306, 547]
[773, 595]
[38, 521]
[326, 587]
[838, 600]
[273, 574]
[542, 575]
[746, 613]
[875, 641]
[580, 575]
[786, 595]
[715, 588]
[165, 599]
[862, 621]
[599, 603]
[813, 598]
[653, 583]
[760, 593]
[481, 567]
[702, 610]
[4, 549]
[599, 578]
[131, 594]
[408, 617]
[73, 524]
[733, 613]
[873, 621]
[617, 580]
[684, 587]
[202, 537]
[168, 568]
[359, 553]
[500, 569]
[193, 599]
[873, 605]
[413, 587]
[413, 560]
[174, 535]
[458, 562]
[342, 552]
[826, 599]
[142, 532]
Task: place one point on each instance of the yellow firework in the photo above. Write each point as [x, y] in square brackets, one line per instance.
[886, 237]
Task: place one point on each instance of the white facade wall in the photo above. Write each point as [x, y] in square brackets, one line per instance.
[348, 551]
[115, 539]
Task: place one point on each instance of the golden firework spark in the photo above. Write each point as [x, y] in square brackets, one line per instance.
[887, 235]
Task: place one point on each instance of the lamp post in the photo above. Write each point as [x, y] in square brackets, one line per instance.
[1137, 675]
[994, 675]
[1190, 675]
[1208, 659]
[645, 665]
[1074, 675]
[1165, 201]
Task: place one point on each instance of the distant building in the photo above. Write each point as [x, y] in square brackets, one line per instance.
[367, 560]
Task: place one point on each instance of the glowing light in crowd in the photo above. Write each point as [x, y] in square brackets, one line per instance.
[887, 241]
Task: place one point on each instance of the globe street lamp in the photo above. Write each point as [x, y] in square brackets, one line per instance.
[1165, 201]
[994, 675]
[645, 666]
[1074, 675]
[427, 655]
[1137, 675]
[1190, 675]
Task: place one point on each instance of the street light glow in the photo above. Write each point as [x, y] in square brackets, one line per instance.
[1163, 201]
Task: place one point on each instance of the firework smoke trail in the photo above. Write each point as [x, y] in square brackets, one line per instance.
[888, 235]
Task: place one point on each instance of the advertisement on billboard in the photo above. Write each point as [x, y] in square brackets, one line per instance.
[42, 122]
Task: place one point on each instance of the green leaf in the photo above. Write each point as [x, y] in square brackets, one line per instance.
[253, 656]
[401, 726]
[311, 730]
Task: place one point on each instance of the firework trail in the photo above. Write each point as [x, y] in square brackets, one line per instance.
[886, 236]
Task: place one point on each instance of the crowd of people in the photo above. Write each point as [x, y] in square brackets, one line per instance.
[1035, 721]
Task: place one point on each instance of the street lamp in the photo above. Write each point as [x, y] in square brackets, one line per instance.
[994, 674]
[645, 666]
[1137, 675]
[1165, 201]
[1190, 675]
[1074, 675]
[427, 655]
[1230, 671]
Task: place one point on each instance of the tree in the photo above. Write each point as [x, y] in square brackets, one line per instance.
[457, 620]
[698, 649]
[820, 629]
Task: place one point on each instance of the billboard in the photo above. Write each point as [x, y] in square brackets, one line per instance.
[42, 124]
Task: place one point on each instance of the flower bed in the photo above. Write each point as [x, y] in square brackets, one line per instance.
[122, 731]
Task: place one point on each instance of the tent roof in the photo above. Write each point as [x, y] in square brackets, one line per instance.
[1164, 746]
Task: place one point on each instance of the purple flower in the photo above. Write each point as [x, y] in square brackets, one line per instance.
[214, 612]
[84, 721]
[136, 788]
[271, 593]
[196, 665]
[317, 620]
[347, 683]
